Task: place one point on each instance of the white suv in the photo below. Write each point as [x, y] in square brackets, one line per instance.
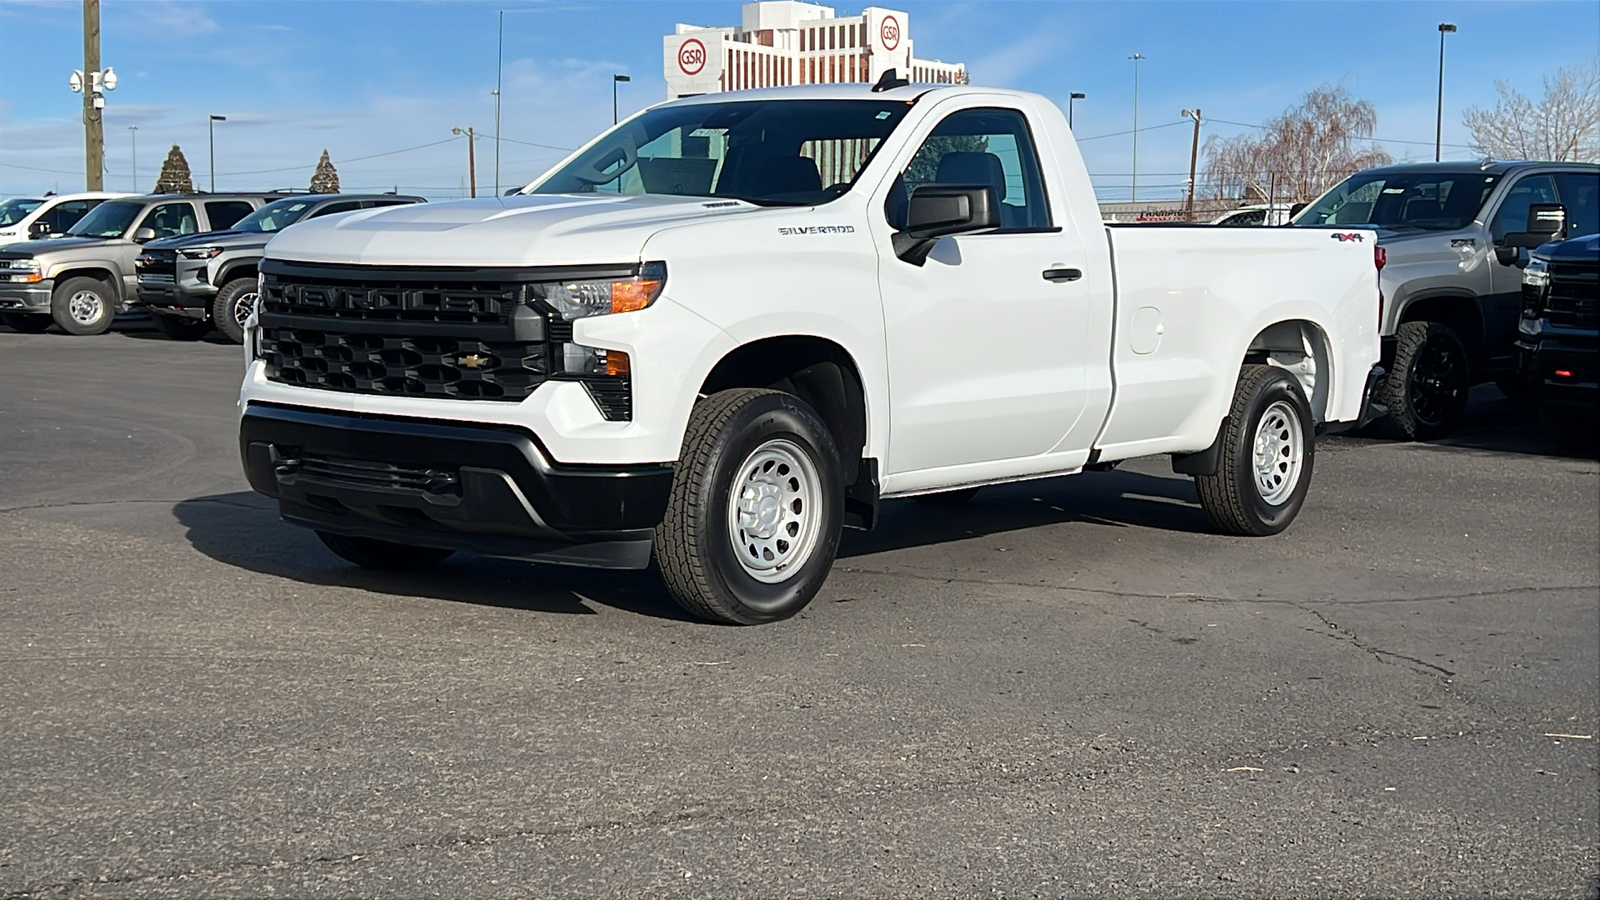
[27, 218]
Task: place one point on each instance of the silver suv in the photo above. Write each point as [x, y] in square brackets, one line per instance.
[81, 281]
[1452, 284]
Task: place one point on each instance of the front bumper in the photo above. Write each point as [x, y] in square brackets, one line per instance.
[26, 298]
[187, 293]
[1564, 362]
[480, 488]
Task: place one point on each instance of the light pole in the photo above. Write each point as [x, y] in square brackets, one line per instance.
[499, 73]
[133, 135]
[616, 80]
[1438, 124]
[211, 129]
[472, 160]
[1071, 97]
[1134, 196]
[1194, 157]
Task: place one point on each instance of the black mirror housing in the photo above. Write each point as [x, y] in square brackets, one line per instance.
[942, 210]
[1549, 219]
[39, 228]
[1508, 255]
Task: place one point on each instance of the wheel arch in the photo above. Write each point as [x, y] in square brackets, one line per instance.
[1459, 310]
[234, 269]
[1300, 347]
[100, 272]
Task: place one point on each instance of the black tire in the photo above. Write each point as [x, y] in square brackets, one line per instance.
[238, 294]
[27, 323]
[1426, 388]
[83, 305]
[697, 551]
[180, 329]
[948, 498]
[1234, 498]
[370, 553]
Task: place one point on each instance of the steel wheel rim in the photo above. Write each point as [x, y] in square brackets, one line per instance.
[85, 307]
[243, 307]
[1278, 453]
[775, 511]
[1436, 382]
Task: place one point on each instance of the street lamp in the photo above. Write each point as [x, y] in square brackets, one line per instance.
[472, 160]
[1071, 97]
[499, 72]
[615, 80]
[211, 128]
[1136, 57]
[1438, 124]
[133, 135]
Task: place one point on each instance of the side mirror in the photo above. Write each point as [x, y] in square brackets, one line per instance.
[941, 210]
[1507, 255]
[1546, 223]
[1294, 209]
[144, 234]
[39, 229]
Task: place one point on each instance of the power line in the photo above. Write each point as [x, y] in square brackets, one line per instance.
[1131, 131]
[1374, 139]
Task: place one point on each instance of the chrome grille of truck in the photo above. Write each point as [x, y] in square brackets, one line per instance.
[157, 265]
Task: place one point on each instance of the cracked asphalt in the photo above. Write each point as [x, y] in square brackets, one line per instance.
[1064, 688]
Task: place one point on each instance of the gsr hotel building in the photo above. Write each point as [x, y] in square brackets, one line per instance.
[784, 42]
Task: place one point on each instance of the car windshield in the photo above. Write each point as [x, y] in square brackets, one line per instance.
[275, 216]
[16, 209]
[108, 220]
[767, 152]
[1426, 201]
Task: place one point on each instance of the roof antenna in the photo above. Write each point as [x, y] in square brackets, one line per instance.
[888, 81]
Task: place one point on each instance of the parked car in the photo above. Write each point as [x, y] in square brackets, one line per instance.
[1558, 336]
[1255, 214]
[194, 281]
[82, 280]
[734, 322]
[32, 218]
[1452, 289]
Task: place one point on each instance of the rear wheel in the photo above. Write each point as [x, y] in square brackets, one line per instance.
[1426, 389]
[753, 522]
[1267, 452]
[232, 307]
[370, 553]
[83, 305]
[27, 323]
[180, 329]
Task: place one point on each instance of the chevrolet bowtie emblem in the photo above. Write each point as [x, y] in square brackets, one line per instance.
[472, 361]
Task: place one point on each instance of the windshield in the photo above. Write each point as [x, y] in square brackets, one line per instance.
[768, 152]
[275, 216]
[16, 209]
[1426, 201]
[108, 220]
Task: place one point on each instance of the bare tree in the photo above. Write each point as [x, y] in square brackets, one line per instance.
[1298, 154]
[1563, 127]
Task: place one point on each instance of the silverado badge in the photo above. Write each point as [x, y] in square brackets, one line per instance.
[473, 361]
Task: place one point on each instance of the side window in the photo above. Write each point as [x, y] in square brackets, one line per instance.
[66, 214]
[389, 202]
[986, 146]
[1580, 193]
[170, 219]
[224, 213]
[332, 208]
[1513, 213]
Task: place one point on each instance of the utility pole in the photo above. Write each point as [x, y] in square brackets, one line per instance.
[499, 72]
[1136, 57]
[1071, 97]
[1438, 124]
[211, 127]
[1194, 157]
[472, 160]
[94, 136]
[133, 136]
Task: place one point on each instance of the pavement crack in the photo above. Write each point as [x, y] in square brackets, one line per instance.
[1345, 634]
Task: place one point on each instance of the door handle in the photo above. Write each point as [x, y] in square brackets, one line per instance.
[1060, 275]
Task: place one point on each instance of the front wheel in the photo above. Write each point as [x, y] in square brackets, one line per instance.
[753, 522]
[83, 305]
[232, 308]
[1267, 451]
[370, 553]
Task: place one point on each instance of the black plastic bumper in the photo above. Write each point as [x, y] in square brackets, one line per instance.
[484, 489]
[1371, 409]
[1565, 363]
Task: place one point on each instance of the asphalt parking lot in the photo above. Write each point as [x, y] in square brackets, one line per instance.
[1065, 688]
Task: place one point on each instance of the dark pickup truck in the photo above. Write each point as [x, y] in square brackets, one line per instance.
[1558, 336]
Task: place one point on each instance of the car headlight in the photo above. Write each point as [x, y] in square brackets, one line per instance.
[21, 271]
[200, 252]
[604, 296]
[1537, 274]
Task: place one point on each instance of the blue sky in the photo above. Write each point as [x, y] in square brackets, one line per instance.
[393, 77]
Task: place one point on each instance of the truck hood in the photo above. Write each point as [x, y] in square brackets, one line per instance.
[35, 249]
[229, 240]
[519, 230]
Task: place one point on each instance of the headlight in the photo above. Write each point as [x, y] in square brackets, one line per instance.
[200, 252]
[1537, 274]
[21, 271]
[599, 297]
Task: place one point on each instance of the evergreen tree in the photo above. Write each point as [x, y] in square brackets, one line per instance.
[174, 177]
[326, 179]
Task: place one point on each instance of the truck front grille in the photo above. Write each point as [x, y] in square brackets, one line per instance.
[157, 265]
[1571, 298]
[453, 368]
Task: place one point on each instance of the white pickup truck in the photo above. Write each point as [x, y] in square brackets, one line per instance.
[734, 323]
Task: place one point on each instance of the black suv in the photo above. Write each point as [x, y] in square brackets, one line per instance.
[1558, 336]
[193, 282]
